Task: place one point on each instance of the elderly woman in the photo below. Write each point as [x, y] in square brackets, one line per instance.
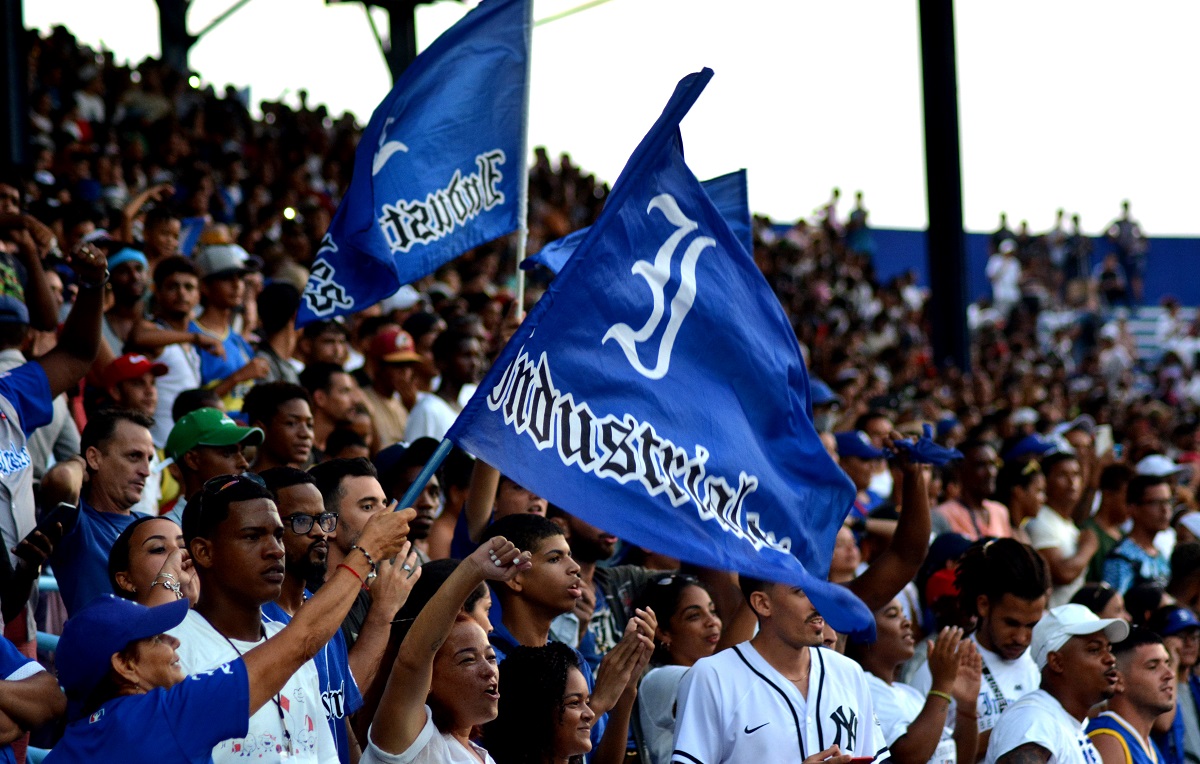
[130, 698]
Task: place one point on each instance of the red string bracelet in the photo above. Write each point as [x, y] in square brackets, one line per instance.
[352, 570]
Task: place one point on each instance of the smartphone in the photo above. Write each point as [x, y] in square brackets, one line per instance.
[65, 515]
[1104, 439]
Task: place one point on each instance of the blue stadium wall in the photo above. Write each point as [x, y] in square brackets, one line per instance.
[1172, 267]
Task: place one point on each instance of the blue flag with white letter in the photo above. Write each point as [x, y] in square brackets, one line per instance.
[440, 168]
[728, 192]
[657, 391]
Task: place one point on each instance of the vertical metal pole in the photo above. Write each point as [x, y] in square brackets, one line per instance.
[173, 36]
[402, 29]
[14, 107]
[943, 177]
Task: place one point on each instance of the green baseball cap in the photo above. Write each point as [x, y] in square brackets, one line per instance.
[208, 427]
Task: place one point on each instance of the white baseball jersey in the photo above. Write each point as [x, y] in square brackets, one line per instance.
[734, 708]
[1039, 718]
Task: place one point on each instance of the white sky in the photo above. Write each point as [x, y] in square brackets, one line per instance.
[1071, 103]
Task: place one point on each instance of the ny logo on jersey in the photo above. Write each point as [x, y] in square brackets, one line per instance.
[847, 723]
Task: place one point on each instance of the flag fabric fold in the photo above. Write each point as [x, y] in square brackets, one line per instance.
[439, 169]
[728, 192]
[657, 391]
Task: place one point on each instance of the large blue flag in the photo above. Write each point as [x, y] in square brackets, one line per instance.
[440, 168]
[728, 192]
[657, 391]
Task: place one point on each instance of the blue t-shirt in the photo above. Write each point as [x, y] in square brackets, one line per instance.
[181, 724]
[1128, 564]
[80, 560]
[339, 692]
[238, 353]
[27, 388]
[13, 667]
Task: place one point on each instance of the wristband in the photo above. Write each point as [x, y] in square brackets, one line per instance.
[943, 695]
[89, 285]
[370, 561]
[352, 570]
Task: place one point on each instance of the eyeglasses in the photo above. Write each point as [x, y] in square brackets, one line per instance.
[301, 523]
[215, 485]
[672, 578]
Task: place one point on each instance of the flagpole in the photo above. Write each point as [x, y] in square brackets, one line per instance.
[523, 181]
[431, 466]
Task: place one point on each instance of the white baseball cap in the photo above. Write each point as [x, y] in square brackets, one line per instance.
[1158, 466]
[1061, 623]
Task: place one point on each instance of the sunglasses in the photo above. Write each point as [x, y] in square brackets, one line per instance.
[215, 485]
[301, 523]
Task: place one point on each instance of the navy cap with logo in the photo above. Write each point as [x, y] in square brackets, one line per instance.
[102, 629]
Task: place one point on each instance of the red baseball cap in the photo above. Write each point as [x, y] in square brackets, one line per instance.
[395, 346]
[131, 366]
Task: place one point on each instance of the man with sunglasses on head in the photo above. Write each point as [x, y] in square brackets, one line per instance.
[236, 539]
[308, 531]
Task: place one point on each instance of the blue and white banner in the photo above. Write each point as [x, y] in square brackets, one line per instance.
[657, 391]
[440, 168]
[728, 192]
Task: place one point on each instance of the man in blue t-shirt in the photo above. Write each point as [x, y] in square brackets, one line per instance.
[117, 449]
[29, 697]
[1136, 559]
[307, 530]
[223, 283]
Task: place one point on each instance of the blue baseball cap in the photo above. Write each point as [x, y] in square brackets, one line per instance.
[1031, 445]
[102, 629]
[821, 394]
[13, 311]
[1173, 619]
[858, 444]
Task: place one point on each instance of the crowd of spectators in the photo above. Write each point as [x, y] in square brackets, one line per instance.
[198, 447]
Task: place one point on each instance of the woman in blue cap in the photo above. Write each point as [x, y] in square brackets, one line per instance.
[130, 700]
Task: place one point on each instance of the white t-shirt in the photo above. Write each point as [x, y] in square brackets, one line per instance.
[734, 707]
[433, 417]
[430, 747]
[183, 373]
[202, 648]
[1039, 718]
[1050, 530]
[1009, 682]
[656, 709]
[896, 706]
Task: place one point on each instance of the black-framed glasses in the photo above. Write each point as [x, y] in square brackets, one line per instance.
[301, 523]
[215, 485]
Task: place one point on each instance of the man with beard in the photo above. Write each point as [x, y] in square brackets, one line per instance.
[350, 489]
[235, 539]
[117, 450]
[307, 530]
[128, 278]
[747, 703]
[1121, 734]
[1072, 648]
[1003, 583]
